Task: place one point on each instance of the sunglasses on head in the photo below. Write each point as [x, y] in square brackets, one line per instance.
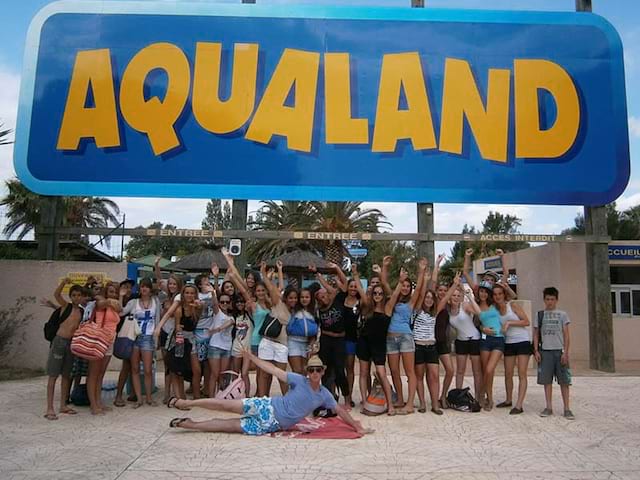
[315, 369]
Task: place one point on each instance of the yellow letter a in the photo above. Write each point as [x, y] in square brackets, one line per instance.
[100, 122]
[274, 118]
[402, 70]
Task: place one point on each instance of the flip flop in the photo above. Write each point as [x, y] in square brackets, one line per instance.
[137, 405]
[401, 411]
[51, 416]
[437, 411]
[152, 403]
[69, 411]
[119, 403]
[422, 410]
[176, 422]
[171, 403]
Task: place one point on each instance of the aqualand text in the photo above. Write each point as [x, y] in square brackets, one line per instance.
[298, 70]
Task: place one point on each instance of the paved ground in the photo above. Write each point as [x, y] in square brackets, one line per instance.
[602, 443]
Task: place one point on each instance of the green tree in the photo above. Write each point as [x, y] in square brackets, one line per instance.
[495, 223]
[23, 211]
[139, 246]
[217, 217]
[404, 255]
[4, 135]
[621, 225]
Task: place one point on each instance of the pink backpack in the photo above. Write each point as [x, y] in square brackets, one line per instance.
[235, 389]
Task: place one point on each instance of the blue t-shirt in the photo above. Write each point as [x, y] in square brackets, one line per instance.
[490, 318]
[401, 319]
[300, 401]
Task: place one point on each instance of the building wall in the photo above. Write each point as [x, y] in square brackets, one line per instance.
[563, 265]
[37, 279]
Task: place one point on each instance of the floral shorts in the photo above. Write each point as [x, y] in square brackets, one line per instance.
[258, 417]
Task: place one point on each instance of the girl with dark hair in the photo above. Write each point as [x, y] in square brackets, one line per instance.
[400, 342]
[492, 344]
[443, 344]
[301, 331]
[352, 309]
[146, 311]
[219, 353]
[243, 330]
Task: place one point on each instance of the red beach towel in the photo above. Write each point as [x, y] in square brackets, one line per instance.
[327, 428]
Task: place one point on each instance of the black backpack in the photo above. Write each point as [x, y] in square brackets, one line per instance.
[461, 399]
[57, 317]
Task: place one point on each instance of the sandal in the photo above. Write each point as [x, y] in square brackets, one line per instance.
[504, 404]
[437, 411]
[176, 422]
[119, 403]
[152, 403]
[422, 409]
[137, 405]
[51, 416]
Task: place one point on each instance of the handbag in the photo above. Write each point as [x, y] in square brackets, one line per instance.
[91, 341]
[235, 389]
[302, 327]
[123, 346]
[271, 327]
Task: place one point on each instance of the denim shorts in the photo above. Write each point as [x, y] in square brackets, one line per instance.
[258, 417]
[145, 343]
[402, 343]
[351, 347]
[215, 352]
[490, 343]
[297, 348]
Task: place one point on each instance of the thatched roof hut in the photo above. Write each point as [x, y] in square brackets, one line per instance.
[200, 261]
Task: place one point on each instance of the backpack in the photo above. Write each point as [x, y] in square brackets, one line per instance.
[235, 388]
[55, 320]
[461, 399]
[540, 317]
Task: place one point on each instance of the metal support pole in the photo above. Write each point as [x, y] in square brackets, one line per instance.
[239, 222]
[601, 345]
[124, 218]
[45, 232]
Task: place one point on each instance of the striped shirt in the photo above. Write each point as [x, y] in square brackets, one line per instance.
[424, 327]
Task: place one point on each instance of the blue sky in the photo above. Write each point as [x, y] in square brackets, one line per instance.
[624, 15]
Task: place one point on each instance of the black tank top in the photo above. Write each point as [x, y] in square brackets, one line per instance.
[376, 326]
[188, 323]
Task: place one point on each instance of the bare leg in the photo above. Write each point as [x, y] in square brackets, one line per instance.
[509, 366]
[478, 383]
[284, 386]
[408, 362]
[122, 380]
[135, 375]
[233, 406]
[178, 385]
[167, 377]
[351, 361]
[461, 367]
[364, 380]
[206, 374]
[196, 374]
[548, 396]
[523, 364]
[420, 385]
[104, 363]
[394, 365]
[92, 380]
[564, 389]
[65, 387]
[447, 363]
[381, 373]
[297, 364]
[489, 372]
[227, 425]
[214, 368]
[147, 362]
[51, 390]
[433, 382]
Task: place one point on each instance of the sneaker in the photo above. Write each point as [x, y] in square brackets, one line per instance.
[547, 412]
[568, 414]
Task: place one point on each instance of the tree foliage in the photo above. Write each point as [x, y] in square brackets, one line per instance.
[4, 135]
[495, 223]
[217, 217]
[139, 246]
[621, 225]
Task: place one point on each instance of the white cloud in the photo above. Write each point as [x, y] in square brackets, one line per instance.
[627, 202]
[634, 127]
[9, 89]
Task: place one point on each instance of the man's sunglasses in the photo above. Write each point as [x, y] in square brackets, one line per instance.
[315, 369]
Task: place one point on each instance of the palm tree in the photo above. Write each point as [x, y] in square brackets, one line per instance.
[344, 217]
[4, 134]
[313, 216]
[23, 210]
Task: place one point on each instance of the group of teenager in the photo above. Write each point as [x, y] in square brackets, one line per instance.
[257, 322]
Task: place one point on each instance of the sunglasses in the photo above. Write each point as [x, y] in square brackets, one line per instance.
[377, 293]
[315, 369]
[224, 302]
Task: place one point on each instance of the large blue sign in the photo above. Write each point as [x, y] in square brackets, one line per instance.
[624, 252]
[289, 102]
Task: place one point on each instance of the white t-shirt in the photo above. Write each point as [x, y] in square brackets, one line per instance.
[223, 338]
[146, 317]
[170, 324]
[206, 316]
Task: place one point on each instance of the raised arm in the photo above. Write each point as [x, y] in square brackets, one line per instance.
[215, 271]
[415, 296]
[58, 292]
[274, 294]
[391, 303]
[443, 303]
[466, 267]
[511, 295]
[331, 291]
[265, 366]
[436, 271]
[423, 290]
[280, 267]
[341, 278]
[384, 274]
[364, 298]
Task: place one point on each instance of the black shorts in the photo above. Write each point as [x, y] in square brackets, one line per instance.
[467, 347]
[444, 348]
[369, 351]
[520, 348]
[426, 354]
